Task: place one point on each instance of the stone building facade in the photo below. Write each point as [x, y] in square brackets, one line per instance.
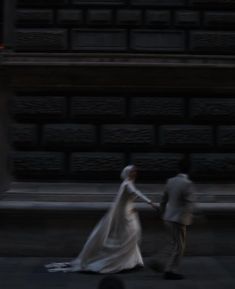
[98, 84]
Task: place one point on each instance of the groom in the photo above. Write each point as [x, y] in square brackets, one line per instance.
[176, 208]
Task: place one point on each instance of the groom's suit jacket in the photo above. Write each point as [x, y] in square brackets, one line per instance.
[177, 201]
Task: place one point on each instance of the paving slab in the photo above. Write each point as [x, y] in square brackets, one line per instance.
[201, 272]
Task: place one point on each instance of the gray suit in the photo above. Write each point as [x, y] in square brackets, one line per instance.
[176, 207]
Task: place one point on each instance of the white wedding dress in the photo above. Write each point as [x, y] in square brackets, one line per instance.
[113, 244]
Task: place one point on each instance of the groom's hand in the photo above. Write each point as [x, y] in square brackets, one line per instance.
[155, 206]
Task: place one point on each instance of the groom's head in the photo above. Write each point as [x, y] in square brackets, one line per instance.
[184, 166]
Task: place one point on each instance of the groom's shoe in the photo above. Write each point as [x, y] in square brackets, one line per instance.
[173, 276]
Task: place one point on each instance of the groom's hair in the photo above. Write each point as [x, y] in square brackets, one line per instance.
[184, 165]
[111, 282]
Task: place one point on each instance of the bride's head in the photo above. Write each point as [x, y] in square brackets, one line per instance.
[129, 172]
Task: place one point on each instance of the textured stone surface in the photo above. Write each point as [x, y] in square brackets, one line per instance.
[219, 19]
[98, 2]
[32, 107]
[213, 166]
[155, 40]
[42, 2]
[99, 17]
[214, 3]
[96, 165]
[35, 17]
[157, 108]
[226, 136]
[70, 17]
[41, 40]
[176, 21]
[187, 19]
[147, 15]
[218, 109]
[186, 136]
[129, 17]
[158, 2]
[69, 135]
[24, 135]
[156, 165]
[134, 135]
[38, 164]
[97, 107]
[158, 18]
[213, 42]
[100, 40]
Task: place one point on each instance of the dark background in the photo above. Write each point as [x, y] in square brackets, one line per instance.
[69, 133]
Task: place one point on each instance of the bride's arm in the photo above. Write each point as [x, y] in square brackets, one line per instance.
[132, 189]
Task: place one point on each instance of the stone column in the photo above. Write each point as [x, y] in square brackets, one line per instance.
[9, 11]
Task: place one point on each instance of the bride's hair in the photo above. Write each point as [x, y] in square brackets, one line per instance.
[126, 171]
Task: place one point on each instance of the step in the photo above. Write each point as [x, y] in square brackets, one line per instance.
[56, 219]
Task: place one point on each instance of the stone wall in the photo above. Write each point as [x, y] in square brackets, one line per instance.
[69, 133]
[1, 22]
[162, 26]
[92, 136]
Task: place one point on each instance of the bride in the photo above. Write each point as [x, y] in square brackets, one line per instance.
[113, 244]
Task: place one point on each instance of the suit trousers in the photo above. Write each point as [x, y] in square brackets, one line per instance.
[175, 247]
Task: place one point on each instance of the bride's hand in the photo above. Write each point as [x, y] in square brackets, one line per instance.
[154, 206]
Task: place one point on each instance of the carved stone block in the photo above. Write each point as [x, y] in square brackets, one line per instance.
[213, 42]
[43, 107]
[186, 136]
[101, 17]
[96, 165]
[41, 40]
[70, 17]
[69, 135]
[219, 20]
[167, 108]
[38, 164]
[157, 18]
[214, 3]
[155, 40]
[128, 135]
[98, 107]
[187, 19]
[156, 165]
[213, 166]
[158, 2]
[98, 2]
[129, 17]
[24, 135]
[99, 40]
[226, 136]
[35, 17]
[42, 2]
[217, 109]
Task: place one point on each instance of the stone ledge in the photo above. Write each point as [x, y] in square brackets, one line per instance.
[105, 192]
[117, 59]
[143, 73]
[60, 207]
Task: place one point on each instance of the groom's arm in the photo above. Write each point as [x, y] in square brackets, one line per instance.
[163, 201]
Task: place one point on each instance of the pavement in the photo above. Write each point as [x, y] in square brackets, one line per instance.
[200, 272]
